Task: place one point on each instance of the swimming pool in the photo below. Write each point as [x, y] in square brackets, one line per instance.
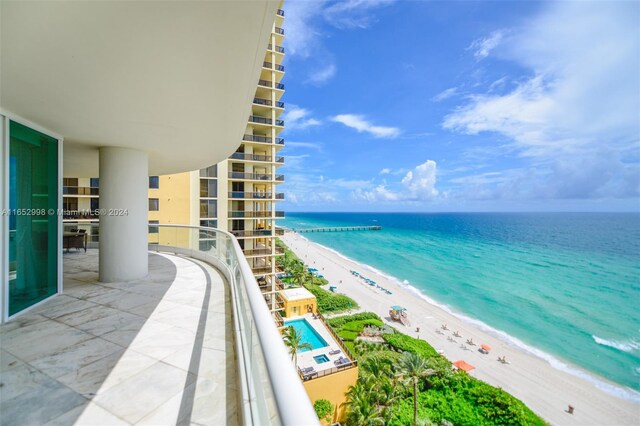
[309, 335]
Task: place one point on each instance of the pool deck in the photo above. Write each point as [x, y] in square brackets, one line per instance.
[305, 359]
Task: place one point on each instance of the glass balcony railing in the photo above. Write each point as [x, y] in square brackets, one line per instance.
[251, 214]
[280, 141]
[279, 86]
[269, 65]
[250, 176]
[80, 190]
[279, 159]
[279, 104]
[257, 252]
[260, 120]
[280, 12]
[280, 178]
[279, 30]
[257, 138]
[260, 101]
[256, 195]
[280, 196]
[279, 122]
[278, 49]
[279, 214]
[269, 390]
[254, 233]
[250, 157]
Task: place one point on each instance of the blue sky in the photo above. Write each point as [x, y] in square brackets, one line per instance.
[462, 106]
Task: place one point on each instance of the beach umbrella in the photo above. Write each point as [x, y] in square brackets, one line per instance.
[397, 308]
[463, 365]
[485, 347]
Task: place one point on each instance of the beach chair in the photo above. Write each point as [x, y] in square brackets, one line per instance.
[334, 352]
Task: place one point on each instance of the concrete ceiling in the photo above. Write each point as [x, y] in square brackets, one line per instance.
[173, 78]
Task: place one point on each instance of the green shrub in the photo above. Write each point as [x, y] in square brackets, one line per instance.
[348, 335]
[324, 409]
[409, 344]
[330, 302]
[338, 322]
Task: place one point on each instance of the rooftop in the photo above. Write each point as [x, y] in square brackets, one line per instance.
[299, 293]
[157, 350]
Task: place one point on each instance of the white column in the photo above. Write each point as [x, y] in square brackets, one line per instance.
[124, 205]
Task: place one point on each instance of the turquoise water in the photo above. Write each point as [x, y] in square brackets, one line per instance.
[309, 335]
[563, 286]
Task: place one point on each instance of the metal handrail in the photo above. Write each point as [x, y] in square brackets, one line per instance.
[264, 367]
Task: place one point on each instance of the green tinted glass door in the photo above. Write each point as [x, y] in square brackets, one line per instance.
[33, 224]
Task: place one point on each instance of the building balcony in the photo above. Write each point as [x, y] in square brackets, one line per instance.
[258, 252]
[280, 178]
[278, 30]
[260, 120]
[278, 49]
[280, 123]
[251, 195]
[280, 196]
[270, 66]
[268, 103]
[250, 214]
[251, 157]
[279, 231]
[261, 270]
[254, 233]
[280, 12]
[188, 344]
[250, 176]
[81, 214]
[279, 214]
[263, 139]
[277, 318]
[80, 190]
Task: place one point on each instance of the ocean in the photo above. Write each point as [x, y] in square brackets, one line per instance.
[564, 286]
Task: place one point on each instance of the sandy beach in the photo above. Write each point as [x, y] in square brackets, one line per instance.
[548, 391]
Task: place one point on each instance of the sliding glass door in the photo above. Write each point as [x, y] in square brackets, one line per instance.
[33, 220]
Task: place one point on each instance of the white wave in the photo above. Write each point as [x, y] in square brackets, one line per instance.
[625, 346]
[618, 391]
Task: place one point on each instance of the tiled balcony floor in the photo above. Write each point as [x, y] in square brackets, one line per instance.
[156, 351]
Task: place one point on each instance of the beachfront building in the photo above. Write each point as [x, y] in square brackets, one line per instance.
[123, 91]
[328, 369]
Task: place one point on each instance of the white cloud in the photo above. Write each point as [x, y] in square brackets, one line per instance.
[298, 118]
[576, 119]
[445, 94]
[483, 46]
[385, 171]
[307, 145]
[323, 74]
[359, 123]
[417, 185]
[353, 13]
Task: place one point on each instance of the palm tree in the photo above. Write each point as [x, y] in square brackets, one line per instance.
[292, 340]
[362, 410]
[299, 273]
[412, 367]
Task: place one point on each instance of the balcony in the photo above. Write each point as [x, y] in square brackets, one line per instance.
[249, 176]
[254, 233]
[279, 213]
[251, 157]
[80, 190]
[257, 138]
[278, 49]
[192, 343]
[265, 83]
[241, 213]
[279, 159]
[257, 252]
[279, 141]
[279, 122]
[260, 120]
[279, 86]
[270, 65]
[280, 196]
[250, 195]
[280, 178]
[278, 30]
[277, 318]
[280, 12]
[261, 270]
[279, 231]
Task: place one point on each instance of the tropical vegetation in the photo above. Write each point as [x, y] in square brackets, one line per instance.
[293, 341]
[404, 381]
[297, 274]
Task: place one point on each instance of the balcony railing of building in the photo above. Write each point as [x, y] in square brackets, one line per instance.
[265, 83]
[261, 269]
[260, 120]
[268, 387]
[256, 195]
[267, 102]
[241, 213]
[279, 30]
[280, 12]
[280, 177]
[80, 214]
[277, 318]
[257, 252]
[249, 176]
[278, 49]
[280, 196]
[279, 231]
[80, 190]
[251, 157]
[279, 122]
[270, 65]
[253, 233]
[279, 86]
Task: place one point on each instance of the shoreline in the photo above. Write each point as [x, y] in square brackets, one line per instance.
[530, 376]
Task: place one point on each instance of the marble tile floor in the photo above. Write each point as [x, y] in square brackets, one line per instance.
[158, 351]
